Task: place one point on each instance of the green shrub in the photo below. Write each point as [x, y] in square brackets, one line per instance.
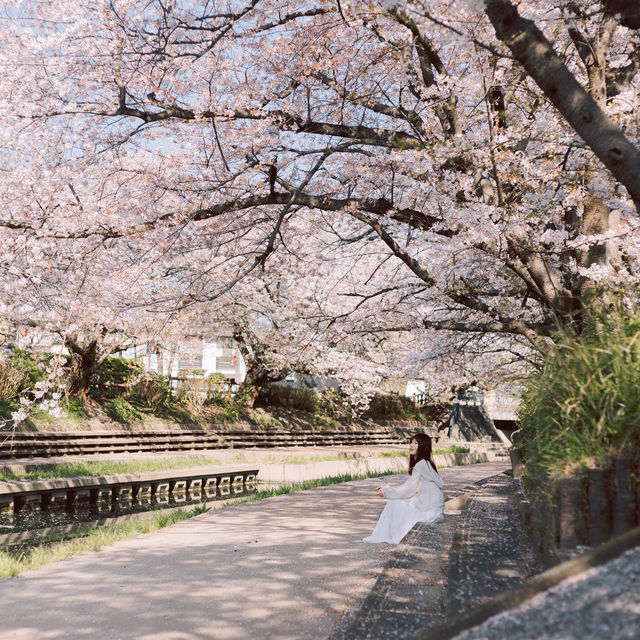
[75, 408]
[319, 421]
[582, 403]
[392, 407]
[216, 389]
[120, 410]
[34, 370]
[231, 413]
[267, 421]
[151, 391]
[288, 397]
[335, 403]
[19, 374]
[6, 409]
[115, 377]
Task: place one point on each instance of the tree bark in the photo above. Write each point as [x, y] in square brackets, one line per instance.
[259, 370]
[84, 360]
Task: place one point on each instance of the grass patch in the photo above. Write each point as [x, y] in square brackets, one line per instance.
[454, 448]
[267, 421]
[295, 487]
[120, 410]
[90, 540]
[107, 467]
[394, 454]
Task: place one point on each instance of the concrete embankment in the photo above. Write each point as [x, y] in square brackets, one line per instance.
[365, 465]
[290, 464]
[275, 467]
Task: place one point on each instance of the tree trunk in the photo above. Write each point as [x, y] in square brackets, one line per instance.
[260, 370]
[535, 53]
[87, 355]
[598, 219]
[83, 365]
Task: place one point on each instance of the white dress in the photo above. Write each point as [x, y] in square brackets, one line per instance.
[419, 499]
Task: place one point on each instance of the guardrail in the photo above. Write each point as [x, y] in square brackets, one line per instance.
[43, 492]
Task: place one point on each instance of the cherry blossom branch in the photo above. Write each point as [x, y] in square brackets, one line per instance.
[386, 237]
[531, 331]
[377, 206]
[532, 49]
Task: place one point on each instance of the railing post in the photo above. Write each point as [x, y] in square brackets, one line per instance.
[571, 512]
[45, 500]
[93, 500]
[115, 494]
[624, 507]
[70, 501]
[599, 507]
[18, 503]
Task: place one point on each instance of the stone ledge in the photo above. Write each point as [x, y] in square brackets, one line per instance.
[515, 597]
[119, 478]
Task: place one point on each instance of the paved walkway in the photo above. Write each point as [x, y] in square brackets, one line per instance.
[287, 567]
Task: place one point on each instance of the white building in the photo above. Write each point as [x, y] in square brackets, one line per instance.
[193, 356]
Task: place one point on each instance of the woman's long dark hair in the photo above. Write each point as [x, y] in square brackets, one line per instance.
[423, 453]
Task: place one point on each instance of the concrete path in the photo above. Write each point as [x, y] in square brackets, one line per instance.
[286, 567]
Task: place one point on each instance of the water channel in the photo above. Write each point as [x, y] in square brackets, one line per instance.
[32, 525]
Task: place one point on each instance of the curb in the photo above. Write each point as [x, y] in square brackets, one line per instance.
[506, 601]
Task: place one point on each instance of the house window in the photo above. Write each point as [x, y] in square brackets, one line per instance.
[226, 361]
[190, 360]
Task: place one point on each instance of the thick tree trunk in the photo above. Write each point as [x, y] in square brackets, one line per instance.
[84, 361]
[598, 218]
[87, 354]
[260, 370]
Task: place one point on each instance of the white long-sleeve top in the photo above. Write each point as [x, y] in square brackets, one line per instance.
[423, 488]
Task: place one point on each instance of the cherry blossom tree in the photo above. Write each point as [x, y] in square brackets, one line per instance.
[420, 169]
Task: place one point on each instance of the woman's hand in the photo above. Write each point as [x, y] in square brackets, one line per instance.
[379, 492]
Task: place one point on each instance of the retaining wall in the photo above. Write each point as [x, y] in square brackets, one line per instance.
[586, 509]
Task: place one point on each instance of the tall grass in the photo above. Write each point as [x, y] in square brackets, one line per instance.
[582, 404]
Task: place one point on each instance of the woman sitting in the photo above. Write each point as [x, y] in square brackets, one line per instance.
[419, 499]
